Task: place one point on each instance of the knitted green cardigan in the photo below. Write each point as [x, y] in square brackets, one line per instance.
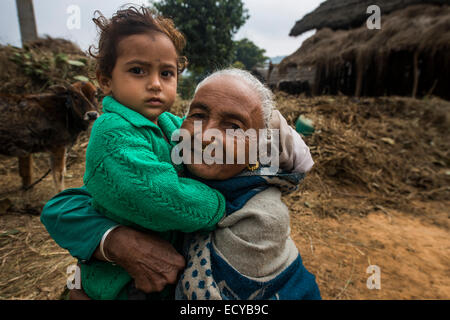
[132, 180]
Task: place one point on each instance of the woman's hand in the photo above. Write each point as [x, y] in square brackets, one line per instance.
[151, 261]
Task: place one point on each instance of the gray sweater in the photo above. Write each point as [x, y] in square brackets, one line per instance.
[254, 241]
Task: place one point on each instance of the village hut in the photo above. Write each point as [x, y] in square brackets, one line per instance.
[408, 56]
[349, 14]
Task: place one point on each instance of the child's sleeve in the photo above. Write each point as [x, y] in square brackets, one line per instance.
[134, 187]
[72, 222]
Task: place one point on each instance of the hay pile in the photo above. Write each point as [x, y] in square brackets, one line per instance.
[42, 63]
[30, 262]
[409, 56]
[386, 152]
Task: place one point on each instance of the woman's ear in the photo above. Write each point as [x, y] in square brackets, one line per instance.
[104, 82]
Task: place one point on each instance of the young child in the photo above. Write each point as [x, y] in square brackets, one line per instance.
[129, 172]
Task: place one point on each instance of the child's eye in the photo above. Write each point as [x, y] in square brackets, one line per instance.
[167, 73]
[137, 70]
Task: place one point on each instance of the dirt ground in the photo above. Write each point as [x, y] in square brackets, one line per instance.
[412, 253]
[342, 221]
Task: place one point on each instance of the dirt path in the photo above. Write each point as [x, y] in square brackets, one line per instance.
[413, 253]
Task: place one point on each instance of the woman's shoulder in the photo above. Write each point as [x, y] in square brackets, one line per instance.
[255, 239]
[265, 210]
[268, 202]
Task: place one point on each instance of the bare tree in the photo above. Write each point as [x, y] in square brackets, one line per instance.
[27, 22]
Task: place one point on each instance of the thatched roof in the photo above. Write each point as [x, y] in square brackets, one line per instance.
[417, 27]
[420, 33]
[346, 14]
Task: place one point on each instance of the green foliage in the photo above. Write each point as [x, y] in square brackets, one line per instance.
[39, 66]
[238, 64]
[32, 69]
[187, 84]
[209, 26]
[249, 54]
[32, 66]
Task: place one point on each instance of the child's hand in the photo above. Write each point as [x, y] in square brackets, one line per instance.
[294, 153]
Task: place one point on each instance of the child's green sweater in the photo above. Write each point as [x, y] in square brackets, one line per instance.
[132, 180]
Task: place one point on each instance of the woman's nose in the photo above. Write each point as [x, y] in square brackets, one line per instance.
[212, 134]
[202, 133]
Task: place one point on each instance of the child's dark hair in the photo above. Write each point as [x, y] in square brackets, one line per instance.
[130, 21]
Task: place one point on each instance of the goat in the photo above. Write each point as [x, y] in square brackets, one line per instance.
[46, 122]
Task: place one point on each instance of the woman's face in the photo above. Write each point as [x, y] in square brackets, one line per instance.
[224, 102]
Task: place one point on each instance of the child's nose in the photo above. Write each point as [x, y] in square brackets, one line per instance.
[154, 83]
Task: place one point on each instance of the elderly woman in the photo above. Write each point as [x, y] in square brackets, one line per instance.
[250, 255]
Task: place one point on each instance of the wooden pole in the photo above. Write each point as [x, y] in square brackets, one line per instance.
[27, 21]
[416, 73]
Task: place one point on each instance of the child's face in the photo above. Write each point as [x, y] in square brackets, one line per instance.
[144, 77]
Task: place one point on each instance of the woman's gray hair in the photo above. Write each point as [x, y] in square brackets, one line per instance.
[265, 95]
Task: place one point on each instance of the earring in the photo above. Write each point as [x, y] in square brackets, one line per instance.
[253, 167]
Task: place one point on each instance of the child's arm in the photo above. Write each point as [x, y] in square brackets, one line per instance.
[72, 222]
[134, 187]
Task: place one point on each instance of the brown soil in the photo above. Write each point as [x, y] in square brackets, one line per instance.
[364, 203]
[412, 252]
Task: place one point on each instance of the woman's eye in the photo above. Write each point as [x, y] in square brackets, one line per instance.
[137, 70]
[197, 115]
[234, 126]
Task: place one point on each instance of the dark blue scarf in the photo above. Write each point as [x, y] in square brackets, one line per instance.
[239, 189]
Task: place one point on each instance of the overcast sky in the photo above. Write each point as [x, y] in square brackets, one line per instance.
[268, 27]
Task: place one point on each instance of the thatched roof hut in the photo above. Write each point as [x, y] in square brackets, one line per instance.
[348, 14]
[410, 55]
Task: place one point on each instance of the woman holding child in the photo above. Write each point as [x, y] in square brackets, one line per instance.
[127, 224]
